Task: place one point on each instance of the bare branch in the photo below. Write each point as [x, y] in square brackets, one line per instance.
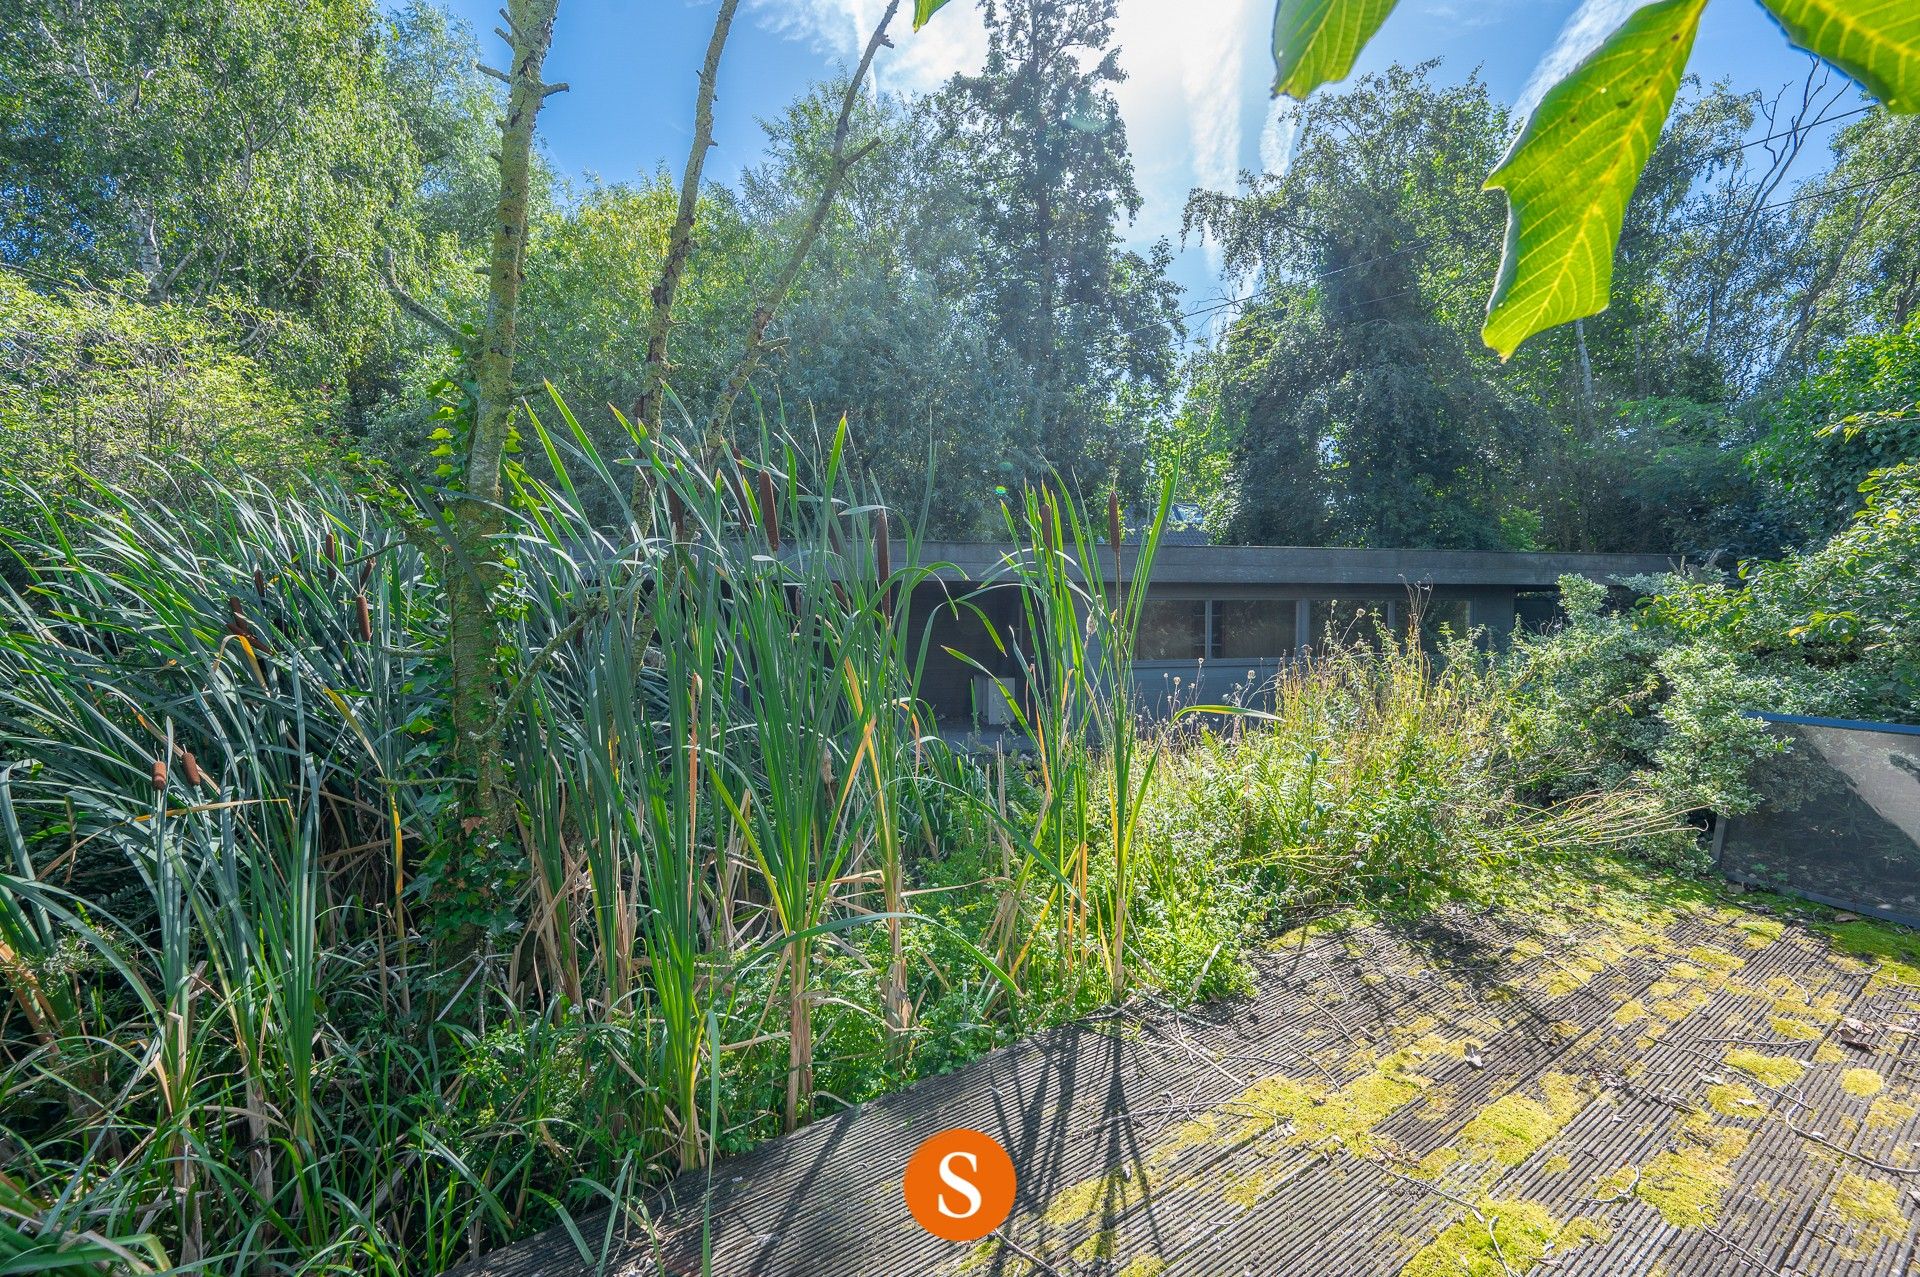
[842, 162]
[646, 410]
[425, 314]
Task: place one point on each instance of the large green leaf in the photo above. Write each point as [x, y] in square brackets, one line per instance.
[1315, 42]
[924, 9]
[1570, 173]
[1877, 42]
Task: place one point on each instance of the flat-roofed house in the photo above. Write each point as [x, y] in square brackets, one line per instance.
[1222, 620]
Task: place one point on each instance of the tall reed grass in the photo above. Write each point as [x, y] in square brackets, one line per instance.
[750, 878]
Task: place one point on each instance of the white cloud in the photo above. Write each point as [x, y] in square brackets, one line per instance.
[1193, 67]
[1276, 137]
[920, 60]
[1591, 23]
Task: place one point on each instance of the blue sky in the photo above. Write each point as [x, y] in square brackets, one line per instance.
[1196, 103]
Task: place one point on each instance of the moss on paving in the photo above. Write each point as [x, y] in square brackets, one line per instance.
[1798, 1015]
[1584, 925]
[1871, 1208]
[1772, 1070]
[1512, 1128]
[1145, 1266]
[1733, 1099]
[1886, 1112]
[1688, 1183]
[1506, 1237]
[1862, 1082]
[1895, 951]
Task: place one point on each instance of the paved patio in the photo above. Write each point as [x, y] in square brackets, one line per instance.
[1603, 1080]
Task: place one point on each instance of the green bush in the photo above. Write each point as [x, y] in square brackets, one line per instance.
[93, 383]
[1662, 694]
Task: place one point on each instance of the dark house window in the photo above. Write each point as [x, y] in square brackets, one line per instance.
[1442, 619]
[1172, 630]
[1229, 629]
[1346, 621]
[1254, 629]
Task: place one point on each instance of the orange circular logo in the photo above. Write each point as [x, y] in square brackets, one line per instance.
[959, 1185]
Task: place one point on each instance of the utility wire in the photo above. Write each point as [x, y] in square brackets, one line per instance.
[1420, 242]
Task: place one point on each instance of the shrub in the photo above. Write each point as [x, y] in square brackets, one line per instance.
[94, 383]
[1662, 694]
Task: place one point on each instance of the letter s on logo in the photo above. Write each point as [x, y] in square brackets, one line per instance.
[959, 1184]
[962, 1186]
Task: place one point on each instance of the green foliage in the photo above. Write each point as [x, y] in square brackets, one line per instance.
[1041, 137]
[590, 268]
[201, 145]
[1877, 42]
[890, 325]
[1583, 150]
[1571, 172]
[1358, 406]
[1858, 414]
[1316, 42]
[1663, 692]
[95, 384]
[1381, 775]
[1607, 701]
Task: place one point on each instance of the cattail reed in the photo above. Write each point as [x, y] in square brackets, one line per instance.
[160, 773]
[330, 551]
[883, 560]
[366, 573]
[676, 513]
[260, 582]
[769, 511]
[189, 766]
[237, 624]
[1113, 536]
[365, 616]
[737, 483]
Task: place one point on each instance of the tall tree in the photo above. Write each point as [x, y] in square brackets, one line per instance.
[207, 145]
[1041, 134]
[646, 406]
[891, 324]
[471, 559]
[1364, 411]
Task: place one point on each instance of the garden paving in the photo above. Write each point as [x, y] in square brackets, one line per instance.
[1606, 1078]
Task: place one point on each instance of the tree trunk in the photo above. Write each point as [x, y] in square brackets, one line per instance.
[646, 409]
[473, 573]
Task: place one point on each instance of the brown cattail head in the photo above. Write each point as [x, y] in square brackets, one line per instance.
[677, 513]
[260, 583]
[160, 773]
[366, 573]
[366, 617]
[1113, 520]
[189, 765]
[1046, 521]
[330, 551]
[770, 511]
[883, 560]
[237, 621]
